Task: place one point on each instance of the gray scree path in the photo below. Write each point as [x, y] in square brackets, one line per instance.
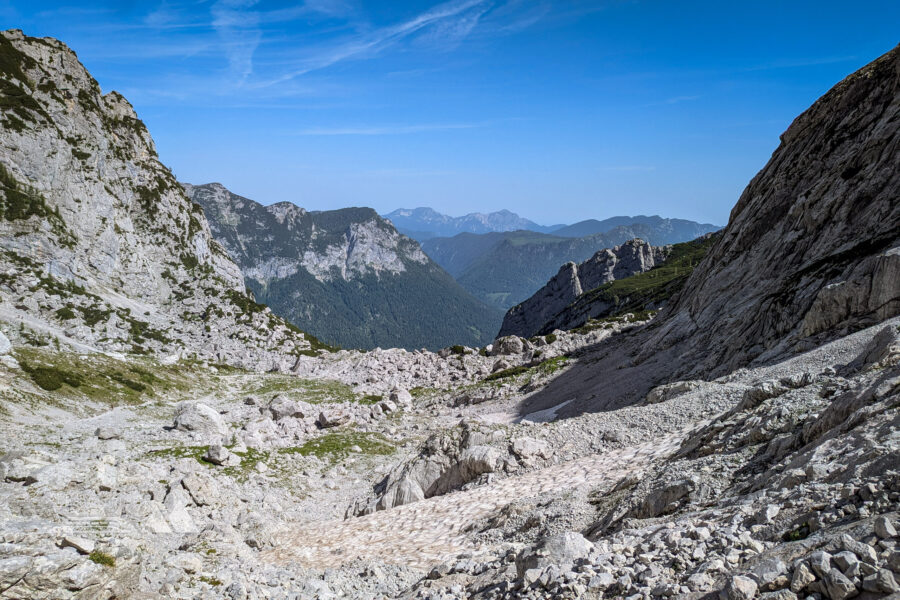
[426, 533]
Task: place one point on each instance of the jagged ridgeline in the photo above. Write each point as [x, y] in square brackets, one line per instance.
[634, 277]
[345, 275]
[100, 248]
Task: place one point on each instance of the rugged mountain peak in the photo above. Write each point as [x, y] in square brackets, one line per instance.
[111, 251]
[811, 252]
[286, 212]
[342, 244]
[346, 275]
[812, 247]
[530, 317]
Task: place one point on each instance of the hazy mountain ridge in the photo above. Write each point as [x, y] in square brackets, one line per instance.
[347, 275]
[674, 229]
[505, 268]
[424, 223]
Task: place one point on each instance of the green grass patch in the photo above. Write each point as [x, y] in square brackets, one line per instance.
[210, 580]
[418, 391]
[552, 365]
[336, 446]
[50, 378]
[70, 376]
[249, 460]
[547, 367]
[195, 452]
[506, 373]
[93, 315]
[651, 288]
[102, 558]
[312, 391]
[65, 313]
[610, 322]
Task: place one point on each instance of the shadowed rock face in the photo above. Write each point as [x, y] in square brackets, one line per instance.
[529, 317]
[811, 251]
[812, 248]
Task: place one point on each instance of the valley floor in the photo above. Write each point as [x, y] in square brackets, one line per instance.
[414, 475]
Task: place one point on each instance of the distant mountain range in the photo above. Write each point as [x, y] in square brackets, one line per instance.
[675, 230]
[504, 268]
[424, 223]
[346, 274]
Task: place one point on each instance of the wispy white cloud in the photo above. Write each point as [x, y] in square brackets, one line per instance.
[332, 8]
[264, 57]
[449, 22]
[447, 34]
[65, 11]
[240, 33]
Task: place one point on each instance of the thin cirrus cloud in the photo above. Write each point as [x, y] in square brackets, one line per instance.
[267, 50]
[448, 24]
[240, 32]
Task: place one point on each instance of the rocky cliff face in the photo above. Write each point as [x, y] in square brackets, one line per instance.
[340, 244]
[812, 248]
[100, 246]
[345, 275]
[811, 252]
[529, 317]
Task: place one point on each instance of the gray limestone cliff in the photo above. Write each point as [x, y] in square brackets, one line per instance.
[811, 252]
[99, 245]
[529, 317]
[347, 276]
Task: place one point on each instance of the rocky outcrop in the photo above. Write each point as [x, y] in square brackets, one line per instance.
[529, 317]
[810, 253]
[345, 275]
[812, 248]
[446, 462]
[341, 244]
[505, 268]
[99, 246]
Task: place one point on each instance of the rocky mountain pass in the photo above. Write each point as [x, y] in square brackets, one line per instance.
[712, 419]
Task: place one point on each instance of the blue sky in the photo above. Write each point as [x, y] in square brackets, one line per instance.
[559, 111]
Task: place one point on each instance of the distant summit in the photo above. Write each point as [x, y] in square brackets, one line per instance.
[346, 274]
[424, 223]
[672, 229]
